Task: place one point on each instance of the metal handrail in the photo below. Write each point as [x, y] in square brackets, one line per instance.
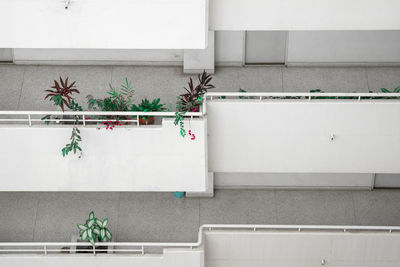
[305, 94]
[46, 247]
[97, 113]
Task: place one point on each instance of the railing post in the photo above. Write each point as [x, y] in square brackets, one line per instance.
[29, 119]
[45, 250]
[83, 120]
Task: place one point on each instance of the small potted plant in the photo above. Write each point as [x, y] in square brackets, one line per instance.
[95, 230]
[61, 96]
[147, 106]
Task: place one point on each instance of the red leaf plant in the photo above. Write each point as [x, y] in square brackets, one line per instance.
[61, 95]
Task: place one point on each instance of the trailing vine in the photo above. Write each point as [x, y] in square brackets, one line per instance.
[74, 145]
[75, 135]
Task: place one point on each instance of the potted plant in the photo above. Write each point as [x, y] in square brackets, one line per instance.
[147, 106]
[117, 100]
[192, 99]
[95, 230]
[62, 97]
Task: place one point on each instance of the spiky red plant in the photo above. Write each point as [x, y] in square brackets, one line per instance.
[190, 101]
[61, 95]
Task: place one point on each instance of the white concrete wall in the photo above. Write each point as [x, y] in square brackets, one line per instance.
[125, 159]
[304, 48]
[295, 136]
[98, 56]
[343, 47]
[170, 258]
[282, 249]
[229, 48]
[151, 24]
[285, 15]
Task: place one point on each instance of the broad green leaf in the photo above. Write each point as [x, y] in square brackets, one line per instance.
[90, 223]
[396, 90]
[99, 222]
[84, 235]
[105, 222]
[90, 234]
[108, 234]
[102, 234]
[91, 215]
[385, 90]
[82, 227]
[96, 231]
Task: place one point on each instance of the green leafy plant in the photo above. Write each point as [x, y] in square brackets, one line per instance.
[147, 106]
[245, 97]
[74, 145]
[192, 99]
[118, 100]
[320, 97]
[395, 90]
[179, 118]
[94, 230]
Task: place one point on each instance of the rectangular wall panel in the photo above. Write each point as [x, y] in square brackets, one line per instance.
[301, 249]
[288, 15]
[332, 47]
[317, 136]
[125, 159]
[124, 24]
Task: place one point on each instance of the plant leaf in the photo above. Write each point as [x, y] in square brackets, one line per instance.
[84, 235]
[82, 227]
[102, 234]
[108, 234]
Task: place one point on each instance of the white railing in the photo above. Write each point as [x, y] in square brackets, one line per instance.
[309, 96]
[85, 117]
[141, 248]
[132, 118]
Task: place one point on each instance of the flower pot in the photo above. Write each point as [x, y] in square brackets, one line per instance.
[146, 120]
[179, 194]
[86, 249]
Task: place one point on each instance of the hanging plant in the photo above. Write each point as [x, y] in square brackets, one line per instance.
[192, 100]
[61, 96]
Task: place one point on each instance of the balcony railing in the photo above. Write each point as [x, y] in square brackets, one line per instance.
[142, 248]
[309, 96]
[84, 117]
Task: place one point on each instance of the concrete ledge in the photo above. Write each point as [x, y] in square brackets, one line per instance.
[294, 181]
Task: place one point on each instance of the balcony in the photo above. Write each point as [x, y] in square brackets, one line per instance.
[138, 218]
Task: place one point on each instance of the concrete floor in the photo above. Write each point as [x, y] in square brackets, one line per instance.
[22, 87]
[160, 216]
